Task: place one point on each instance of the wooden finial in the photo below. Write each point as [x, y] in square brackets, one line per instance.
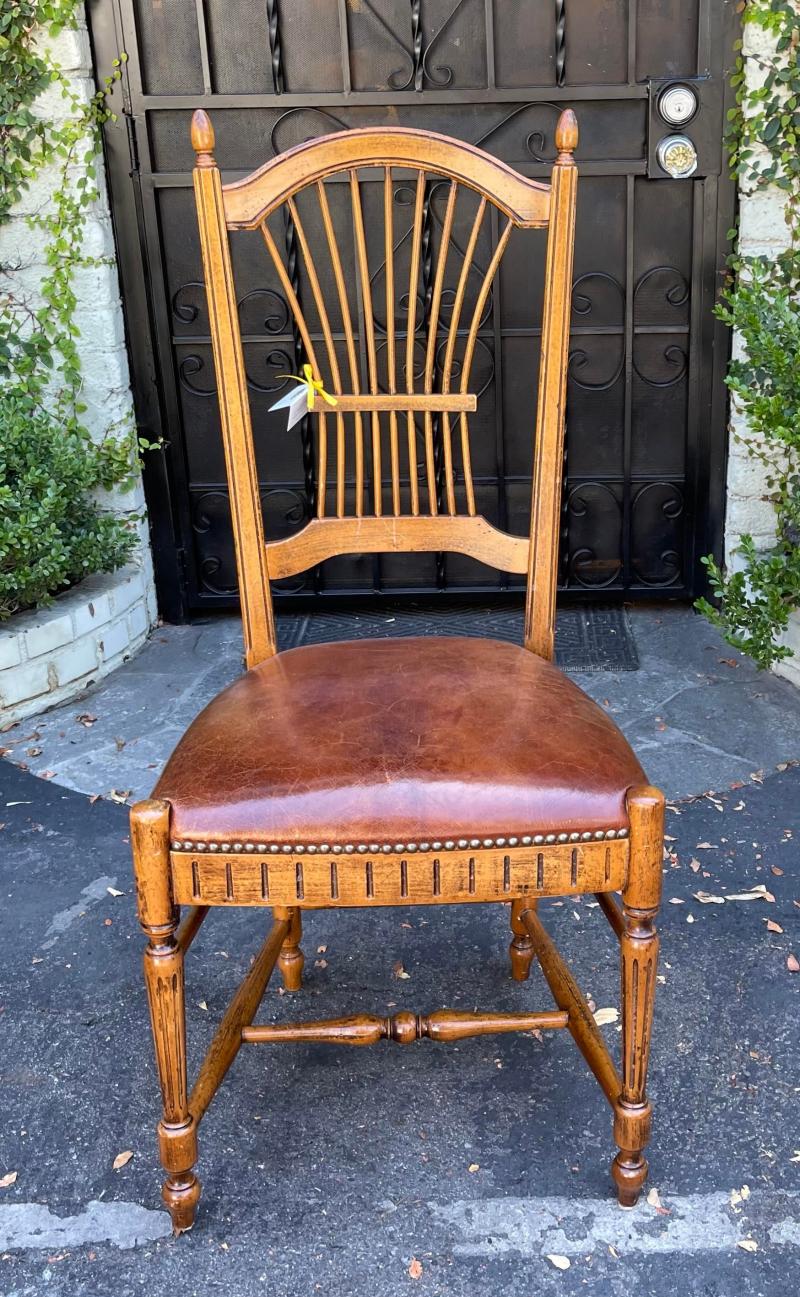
[203, 138]
[567, 134]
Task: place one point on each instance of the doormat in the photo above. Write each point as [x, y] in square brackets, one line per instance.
[588, 638]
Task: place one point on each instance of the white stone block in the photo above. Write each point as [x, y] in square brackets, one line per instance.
[128, 592]
[138, 622]
[76, 660]
[29, 680]
[47, 631]
[10, 654]
[92, 614]
[114, 640]
[70, 50]
[790, 667]
[762, 221]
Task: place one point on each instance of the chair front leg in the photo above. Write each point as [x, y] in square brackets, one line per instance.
[163, 972]
[521, 951]
[639, 955]
[291, 959]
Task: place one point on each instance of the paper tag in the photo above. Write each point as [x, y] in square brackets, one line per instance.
[296, 402]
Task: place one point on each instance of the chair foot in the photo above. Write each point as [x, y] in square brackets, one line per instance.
[521, 951]
[291, 958]
[629, 1172]
[181, 1193]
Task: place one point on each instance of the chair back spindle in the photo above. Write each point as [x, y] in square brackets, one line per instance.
[378, 490]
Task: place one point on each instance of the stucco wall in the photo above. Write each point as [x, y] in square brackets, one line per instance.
[107, 395]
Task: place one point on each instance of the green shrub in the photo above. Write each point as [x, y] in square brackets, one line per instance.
[52, 533]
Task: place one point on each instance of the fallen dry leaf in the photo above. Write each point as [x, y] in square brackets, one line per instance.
[122, 1159]
[690, 918]
[320, 963]
[8, 1180]
[112, 891]
[560, 1262]
[473, 1167]
[653, 1198]
[86, 719]
[604, 1017]
[119, 795]
[757, 893]
[415, 1269]
[772, 926]
[675, 900]
[694, 865]
[776, 870]
[400, 972]
[706, 846]
[792, 964]
[706, 898]
[747, 1244]
[201, 1004]
[321, 950]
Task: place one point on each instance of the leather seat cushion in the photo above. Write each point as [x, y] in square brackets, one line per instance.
[398, 740]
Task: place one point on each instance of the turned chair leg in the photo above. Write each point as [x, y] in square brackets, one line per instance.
[163, 972]
[291, 958]
[639, 952]
[521, 950]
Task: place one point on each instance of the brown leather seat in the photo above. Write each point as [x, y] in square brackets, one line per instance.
[412, 740]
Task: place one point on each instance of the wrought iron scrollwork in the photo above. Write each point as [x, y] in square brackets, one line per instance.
[188, 312]
[277, 147]
[278, 321]
[666, 499]
[280, 362]
[190, 365]
[536, 141]
[445, 73]
[395, 79]
[583, 566]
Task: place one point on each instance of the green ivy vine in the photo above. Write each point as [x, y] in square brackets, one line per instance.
[762, 304]
[52, 529]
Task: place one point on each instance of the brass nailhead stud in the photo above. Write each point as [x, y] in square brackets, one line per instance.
[551, 837]
[449, 846]
[563, 837]
[527, 840]
[474, 842]
[436, 846]
[538, 839]
[512, 842]
[500, 842]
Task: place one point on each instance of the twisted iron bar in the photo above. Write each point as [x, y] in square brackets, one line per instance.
[276, 56]
[416, 42]
[561, 41]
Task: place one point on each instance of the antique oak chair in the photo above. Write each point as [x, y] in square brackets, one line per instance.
[395, 771]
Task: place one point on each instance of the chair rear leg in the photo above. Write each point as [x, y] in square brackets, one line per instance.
[291, 958]
[639, 953]
[163, 972]
[521, 950]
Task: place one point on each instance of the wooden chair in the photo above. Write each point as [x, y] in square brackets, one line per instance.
[394, 772]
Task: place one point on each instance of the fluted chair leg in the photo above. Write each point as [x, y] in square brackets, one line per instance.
[639, 952]
[163, 972]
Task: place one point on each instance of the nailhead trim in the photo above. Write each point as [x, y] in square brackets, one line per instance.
[398, 848]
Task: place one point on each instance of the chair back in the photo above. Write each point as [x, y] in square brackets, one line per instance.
[393, 462]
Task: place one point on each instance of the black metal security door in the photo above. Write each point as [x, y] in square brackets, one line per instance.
[646, 406]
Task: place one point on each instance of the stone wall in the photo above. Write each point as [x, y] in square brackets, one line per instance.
[28, 681]
[763, 230]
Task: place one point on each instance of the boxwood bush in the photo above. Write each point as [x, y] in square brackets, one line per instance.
[52, 532]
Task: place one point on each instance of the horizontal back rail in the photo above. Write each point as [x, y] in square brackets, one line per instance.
[326, 537]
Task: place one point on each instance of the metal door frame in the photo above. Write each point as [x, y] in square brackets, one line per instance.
[142, 273]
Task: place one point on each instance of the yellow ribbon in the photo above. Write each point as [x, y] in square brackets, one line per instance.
[312, 385]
